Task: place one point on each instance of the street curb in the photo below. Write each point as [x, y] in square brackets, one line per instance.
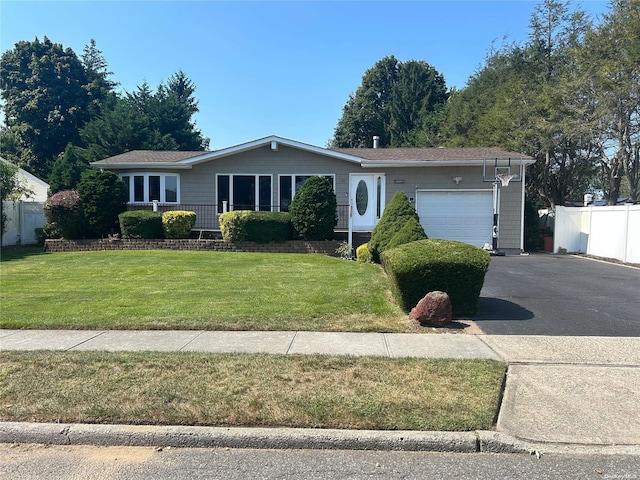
[258, 438]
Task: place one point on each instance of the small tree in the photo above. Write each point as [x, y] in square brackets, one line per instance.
[314, 209]
[396, 214]
[104, 197]
[10, 188]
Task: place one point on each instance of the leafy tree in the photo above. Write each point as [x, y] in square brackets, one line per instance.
[610, 80]
[45, 102]
[67, 170]
[104, 197]
[520, 100]
[313, 209]
[10, 188]
[394, 102]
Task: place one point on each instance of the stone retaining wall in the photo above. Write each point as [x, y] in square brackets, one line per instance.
[296, 246]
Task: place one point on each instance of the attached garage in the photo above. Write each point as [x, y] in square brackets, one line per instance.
[463, 215]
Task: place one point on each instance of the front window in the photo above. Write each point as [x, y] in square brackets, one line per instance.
[244, 192]
[147, 187]
[290, 184]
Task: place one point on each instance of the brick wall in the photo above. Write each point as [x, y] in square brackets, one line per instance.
[297, 246]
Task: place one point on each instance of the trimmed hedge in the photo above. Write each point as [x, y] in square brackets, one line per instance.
[456, 268]
[141, 224]
[178, 223]
[259, 227]
[396, 214]
[64, 215]
[363, 255]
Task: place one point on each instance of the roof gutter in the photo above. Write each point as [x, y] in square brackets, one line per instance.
[142, 166]
[433, 163]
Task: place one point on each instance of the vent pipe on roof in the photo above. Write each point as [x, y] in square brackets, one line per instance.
[376, 141]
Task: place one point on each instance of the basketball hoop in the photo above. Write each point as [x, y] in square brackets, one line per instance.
[504, 178]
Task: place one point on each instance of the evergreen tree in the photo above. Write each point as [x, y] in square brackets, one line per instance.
[67, 170]
[394, 102]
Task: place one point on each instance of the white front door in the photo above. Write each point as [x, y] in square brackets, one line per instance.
[366, 194]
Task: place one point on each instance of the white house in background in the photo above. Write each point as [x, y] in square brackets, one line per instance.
[25, 214]
[452, 189]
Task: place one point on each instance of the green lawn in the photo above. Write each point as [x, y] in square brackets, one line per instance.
[250, 390]
[194, 290]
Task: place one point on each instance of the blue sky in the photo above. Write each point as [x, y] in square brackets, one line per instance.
[261, 68]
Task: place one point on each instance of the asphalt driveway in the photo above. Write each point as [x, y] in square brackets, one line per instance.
[544, 294]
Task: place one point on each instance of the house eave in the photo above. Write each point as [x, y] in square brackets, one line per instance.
[142, 166]
[434, 163]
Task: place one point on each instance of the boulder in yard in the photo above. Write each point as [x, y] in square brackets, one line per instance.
[433, 310]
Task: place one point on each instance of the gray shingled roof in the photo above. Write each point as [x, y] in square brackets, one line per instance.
[374, 154]
[149, 156]
[427, 154]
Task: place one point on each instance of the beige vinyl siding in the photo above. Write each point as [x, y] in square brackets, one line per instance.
[198, 184]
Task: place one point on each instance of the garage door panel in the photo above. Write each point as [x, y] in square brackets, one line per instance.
[462, 216]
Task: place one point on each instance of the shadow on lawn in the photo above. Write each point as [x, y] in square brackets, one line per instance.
[20, 252]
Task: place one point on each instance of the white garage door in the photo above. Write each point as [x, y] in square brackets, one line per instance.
[463, 216]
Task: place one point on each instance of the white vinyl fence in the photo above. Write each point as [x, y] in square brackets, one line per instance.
[22, 220]
[609, 232]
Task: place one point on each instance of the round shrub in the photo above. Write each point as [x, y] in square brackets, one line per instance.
[395, 216]
[178, 223]
[141, 224]
[314, 209]
[104, 197]
[363, 255]
[63, 214]
[418, 268]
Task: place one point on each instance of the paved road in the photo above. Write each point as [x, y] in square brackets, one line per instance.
[559, 295]
[26, 462]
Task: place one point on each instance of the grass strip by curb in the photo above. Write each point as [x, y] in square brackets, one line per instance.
[250, 390]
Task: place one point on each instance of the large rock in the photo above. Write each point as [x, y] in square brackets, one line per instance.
[434, 310]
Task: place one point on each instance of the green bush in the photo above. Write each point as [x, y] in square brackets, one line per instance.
[396, 214]
[178, 223]
[421, 267]
[412, 231]
[141, 224]
[259, 227]
[64, 215]
[104, 197]
[314, 209]
[363, 255]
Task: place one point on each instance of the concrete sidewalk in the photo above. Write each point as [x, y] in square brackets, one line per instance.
[560, 392]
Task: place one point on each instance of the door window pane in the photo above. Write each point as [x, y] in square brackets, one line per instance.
[264, 187]
[170, 189]
[223, 191]
[138, 188]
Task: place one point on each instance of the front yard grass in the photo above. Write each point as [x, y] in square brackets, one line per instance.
[165, 289]
[249, 390]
